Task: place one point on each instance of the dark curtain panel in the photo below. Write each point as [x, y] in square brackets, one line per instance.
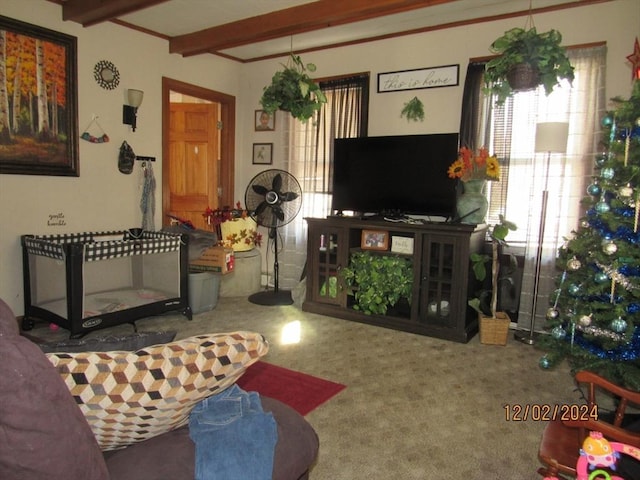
[471, 98]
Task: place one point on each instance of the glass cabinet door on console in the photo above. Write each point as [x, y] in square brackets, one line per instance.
[329, 252]
[441, 301]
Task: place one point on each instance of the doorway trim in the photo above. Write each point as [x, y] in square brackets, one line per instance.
[227, 137]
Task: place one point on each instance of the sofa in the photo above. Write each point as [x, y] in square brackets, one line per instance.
[62, 416]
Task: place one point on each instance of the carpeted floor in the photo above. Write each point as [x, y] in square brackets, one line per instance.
[415, 407]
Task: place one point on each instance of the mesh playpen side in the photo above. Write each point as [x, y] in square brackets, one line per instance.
[87, 281]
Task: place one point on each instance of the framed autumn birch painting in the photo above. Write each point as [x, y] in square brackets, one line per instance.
[38, 100]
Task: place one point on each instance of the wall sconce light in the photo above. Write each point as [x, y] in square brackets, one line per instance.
[130, 111]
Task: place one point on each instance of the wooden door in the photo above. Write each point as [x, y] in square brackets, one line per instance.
[194, 155]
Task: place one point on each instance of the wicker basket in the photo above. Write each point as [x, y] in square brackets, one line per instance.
[494, 330]
[523, 77]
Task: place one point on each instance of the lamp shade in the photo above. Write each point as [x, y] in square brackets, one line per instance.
[552, 137]
[135, 97]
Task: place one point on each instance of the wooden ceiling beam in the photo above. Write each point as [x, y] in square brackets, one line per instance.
[290, 21]
[91, 12]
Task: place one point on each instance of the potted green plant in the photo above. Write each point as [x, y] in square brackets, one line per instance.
[378, 281]
[292, 90]
[494, 325]
[526, 54]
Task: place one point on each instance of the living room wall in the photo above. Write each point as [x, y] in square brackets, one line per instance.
[104, 199]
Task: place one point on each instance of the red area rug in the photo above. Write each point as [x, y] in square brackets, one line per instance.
[300, 391]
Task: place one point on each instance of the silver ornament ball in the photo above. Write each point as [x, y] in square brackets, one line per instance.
[585, 320]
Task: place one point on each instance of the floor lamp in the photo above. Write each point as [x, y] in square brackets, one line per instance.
[551, 137]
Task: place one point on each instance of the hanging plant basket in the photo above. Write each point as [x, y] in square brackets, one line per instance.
[293, 91]
[518, 47]
[523, 77]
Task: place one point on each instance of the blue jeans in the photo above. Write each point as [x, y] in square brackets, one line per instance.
[234, 438]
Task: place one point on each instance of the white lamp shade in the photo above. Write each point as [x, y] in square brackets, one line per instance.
[552, 137]
[135, 97]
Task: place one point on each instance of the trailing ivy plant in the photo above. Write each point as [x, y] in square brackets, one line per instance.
[292, 90]
[540, 50]
[378, 281]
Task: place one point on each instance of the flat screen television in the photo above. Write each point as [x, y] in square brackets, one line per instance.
[395, 175]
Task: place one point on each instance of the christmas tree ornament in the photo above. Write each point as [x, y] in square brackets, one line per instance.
[594, 189]
[585, 320]
[600, 277]
[574, 289]
[609, 247]
[618, 325]
[574, 264]
[607, 120]
[584, 223]
[558, 333]
[626, 191]
[627, 145]
[552, 313]
[636, 217]
[544, 362]
[634, 58]
[602, 207]
[608, 173]
[600, 159]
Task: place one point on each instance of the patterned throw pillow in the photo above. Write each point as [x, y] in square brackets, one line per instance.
[128, 397]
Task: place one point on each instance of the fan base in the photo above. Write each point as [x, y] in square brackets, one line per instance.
[272, 298]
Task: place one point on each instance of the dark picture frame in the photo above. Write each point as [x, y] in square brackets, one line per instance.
[39, 136]
[374, 240]
[264, 122]
[262, 153]
[419, 78]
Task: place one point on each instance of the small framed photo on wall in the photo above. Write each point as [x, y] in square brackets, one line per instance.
[265, 122]
[374, 240]
[262, 153]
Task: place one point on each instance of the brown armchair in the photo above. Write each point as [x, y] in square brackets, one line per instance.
[562, 439]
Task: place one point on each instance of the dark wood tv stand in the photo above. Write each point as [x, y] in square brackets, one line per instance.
[442, 283]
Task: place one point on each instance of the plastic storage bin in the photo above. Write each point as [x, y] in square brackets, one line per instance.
[204, 288]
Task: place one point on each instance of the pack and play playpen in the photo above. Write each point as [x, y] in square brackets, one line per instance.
[86, 281]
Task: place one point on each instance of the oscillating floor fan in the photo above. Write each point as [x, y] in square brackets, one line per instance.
[273, 198]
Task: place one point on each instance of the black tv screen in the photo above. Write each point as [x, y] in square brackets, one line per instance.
[401, 175]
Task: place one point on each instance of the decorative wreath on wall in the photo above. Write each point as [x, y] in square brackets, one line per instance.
[106, 74]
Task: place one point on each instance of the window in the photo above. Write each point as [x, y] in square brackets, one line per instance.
[509, 132]
[309, 158]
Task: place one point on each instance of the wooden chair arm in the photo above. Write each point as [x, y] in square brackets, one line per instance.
[585, 376]
[610, 432]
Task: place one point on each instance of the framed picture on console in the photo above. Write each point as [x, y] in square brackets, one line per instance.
[374, 240]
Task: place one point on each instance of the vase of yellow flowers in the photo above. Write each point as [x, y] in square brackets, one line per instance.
[474, 170]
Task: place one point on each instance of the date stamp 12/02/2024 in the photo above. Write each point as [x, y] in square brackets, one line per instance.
[544, 412]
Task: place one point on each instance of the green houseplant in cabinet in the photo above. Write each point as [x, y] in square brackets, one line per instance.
[378, 281]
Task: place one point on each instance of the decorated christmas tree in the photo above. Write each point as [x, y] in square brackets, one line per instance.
[594, 319]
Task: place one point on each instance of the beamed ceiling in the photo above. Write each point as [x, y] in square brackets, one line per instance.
[250, 30]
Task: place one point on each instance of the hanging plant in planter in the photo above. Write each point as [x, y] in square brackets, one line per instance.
[526, 60]
[293, 91]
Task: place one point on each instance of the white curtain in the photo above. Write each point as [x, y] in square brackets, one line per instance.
[511, 134]
[307, 150]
